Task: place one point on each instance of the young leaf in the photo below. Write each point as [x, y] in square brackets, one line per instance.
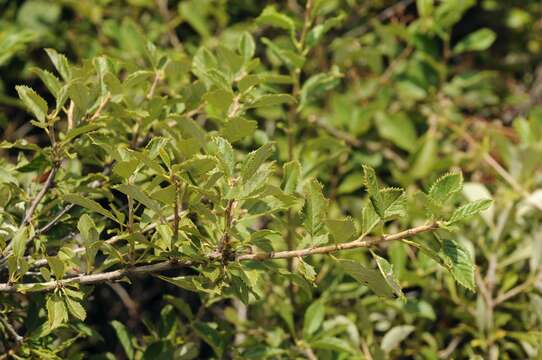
[19, 242]
[291, 177]
[373, 190]
[137, 194]
[468, 210]
[315, 208]
[223, 150]
[255, 159]
[317, 85]
[60, 62]
[446, 186]
[247, 46]
[33, 102]
[239, 128]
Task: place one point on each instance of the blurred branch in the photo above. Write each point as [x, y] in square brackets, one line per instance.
[172, 35]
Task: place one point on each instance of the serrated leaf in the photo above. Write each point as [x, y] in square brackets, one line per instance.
[386, 269]
[60, 62]
[446, 186]
[254, 160]
[223, 150]
[52, 83]
[393, 202]
[343, 230]
[373, 189]
[306, 270]
[459, 263]
[89, 204]
[315, 208]
[76, 309]
[35, 103]
[238, 128]
[369, 219]
[124, 338]
[56, 311]
[368, 277]
[468, 210]
[314, 316]
[80, 130]
[291, 176]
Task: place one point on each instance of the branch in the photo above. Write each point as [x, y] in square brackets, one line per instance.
[46, 186]
[176, 264]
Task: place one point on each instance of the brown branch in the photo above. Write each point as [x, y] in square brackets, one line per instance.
[306, 23]
[172, 35]
[168, 265]
[46, 186]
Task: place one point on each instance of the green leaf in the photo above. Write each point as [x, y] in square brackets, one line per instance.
[425, 7]
[289, 58]
[398, 129]
[76, 309]
[315, 209]
[254, 160]
[60, 62]
[343, 230]
[314, 316]
[137, 194]
[334, 344]
[270, 16]
[33, 102]
[271, 100]
[317, 85]
[459, 263]
[369, 219]
[395, 336]
[446, 186]
[476, 41]
[468, 210]
[56, 311]
[19, 242]
[223, 150]
[386, 269]
[247, 46]
[211, 336]
[368, 277]
[291, 177]
[238, 128]
[57, 266]
[317, 32]
[124, 338]
[80, 130]
[373, 189]
[89, 204]
[52, 83]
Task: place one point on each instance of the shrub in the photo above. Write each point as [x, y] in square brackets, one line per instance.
[292, 187]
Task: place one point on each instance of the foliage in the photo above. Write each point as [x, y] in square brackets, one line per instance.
[319, 179]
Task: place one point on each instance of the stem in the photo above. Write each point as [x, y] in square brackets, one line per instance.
[46, 186]
[168, 265]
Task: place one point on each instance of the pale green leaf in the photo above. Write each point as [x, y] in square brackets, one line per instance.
[33, 102]
[89, 204]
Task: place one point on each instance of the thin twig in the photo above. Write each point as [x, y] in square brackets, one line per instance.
[172, 35]
[11, 330]
[53, 222]
[517, 290]
[131, 305]
[216, 256]
[157, 78]
[102, 105]
[46, 186]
